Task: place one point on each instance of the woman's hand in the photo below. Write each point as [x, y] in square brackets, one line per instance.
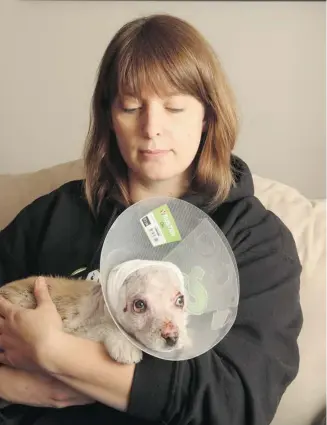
[35, 389]
[26, 333]
[35, 340]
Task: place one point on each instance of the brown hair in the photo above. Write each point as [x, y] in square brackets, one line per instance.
[144, 53]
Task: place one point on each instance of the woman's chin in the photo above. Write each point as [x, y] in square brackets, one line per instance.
[157, 174]
[161, 174]
[158, 177]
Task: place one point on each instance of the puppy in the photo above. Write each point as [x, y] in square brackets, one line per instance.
[150, 307]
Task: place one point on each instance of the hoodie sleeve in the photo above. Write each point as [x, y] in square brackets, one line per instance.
[15, 254]
[43, 230]
[21, 240]
[241, 380]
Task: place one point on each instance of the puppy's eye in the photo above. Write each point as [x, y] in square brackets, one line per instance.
[139, 306]
[180, 301]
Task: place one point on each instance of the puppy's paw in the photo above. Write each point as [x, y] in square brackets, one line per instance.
[123, 351]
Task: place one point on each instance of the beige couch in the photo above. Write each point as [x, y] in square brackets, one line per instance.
[305, 398]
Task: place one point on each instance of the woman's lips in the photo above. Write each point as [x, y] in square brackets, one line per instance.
[154, 153]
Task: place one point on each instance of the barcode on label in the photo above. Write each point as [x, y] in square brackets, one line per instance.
[153, 234]
[146, 221]
[152, 229]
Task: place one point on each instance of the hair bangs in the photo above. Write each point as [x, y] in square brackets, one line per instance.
[159, 67]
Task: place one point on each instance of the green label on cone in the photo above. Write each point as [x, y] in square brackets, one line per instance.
[160, 226]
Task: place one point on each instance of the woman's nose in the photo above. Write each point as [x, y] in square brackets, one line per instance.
[152, 123]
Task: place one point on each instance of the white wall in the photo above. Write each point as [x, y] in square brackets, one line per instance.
[274, 53]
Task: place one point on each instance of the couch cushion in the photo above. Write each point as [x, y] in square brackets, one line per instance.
[18, 190]
[306, 219]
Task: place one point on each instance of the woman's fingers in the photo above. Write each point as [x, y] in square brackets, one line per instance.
[5, 307]
[3, 359]
[1, 349]
[73, 401]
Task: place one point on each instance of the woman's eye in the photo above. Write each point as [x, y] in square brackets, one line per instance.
[175, 109]
[180, 301]
[130, 110]
[139, 306]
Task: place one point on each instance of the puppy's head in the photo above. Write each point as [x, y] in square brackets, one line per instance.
[151, 308]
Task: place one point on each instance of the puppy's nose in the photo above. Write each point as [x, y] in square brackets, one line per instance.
[169, 333]
[171, 340]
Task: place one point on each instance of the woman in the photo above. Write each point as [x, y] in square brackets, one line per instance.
[164, 123]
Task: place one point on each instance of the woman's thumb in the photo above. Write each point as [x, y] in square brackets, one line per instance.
[41, 291]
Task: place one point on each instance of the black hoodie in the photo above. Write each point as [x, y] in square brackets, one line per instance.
[238, 382]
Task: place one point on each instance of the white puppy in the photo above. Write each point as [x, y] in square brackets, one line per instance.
[147, 300]
[148, 303]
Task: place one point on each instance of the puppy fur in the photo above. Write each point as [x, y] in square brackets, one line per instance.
[82, 309]
[84, 313]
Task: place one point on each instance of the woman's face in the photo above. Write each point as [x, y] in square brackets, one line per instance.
[158, 137]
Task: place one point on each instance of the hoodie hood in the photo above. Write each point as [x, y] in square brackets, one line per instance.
[242, 188]
[243, 180]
